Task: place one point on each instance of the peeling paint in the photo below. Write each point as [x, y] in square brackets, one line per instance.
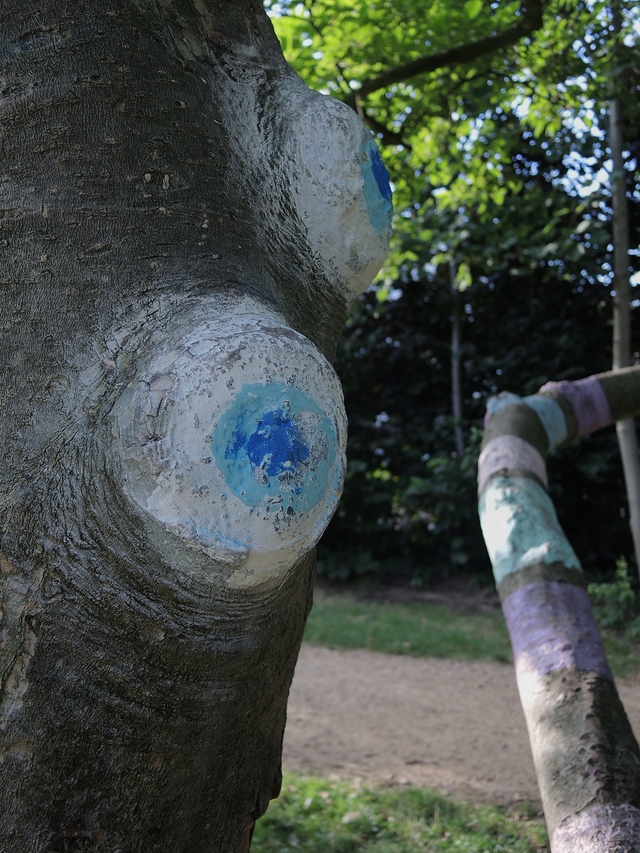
[520, 526]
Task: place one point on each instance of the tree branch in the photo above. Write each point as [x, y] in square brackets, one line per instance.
[530, 21]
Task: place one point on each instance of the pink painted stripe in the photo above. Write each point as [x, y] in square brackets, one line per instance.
[509, 452]
[588, 401]
[552, 628]
[598, 829]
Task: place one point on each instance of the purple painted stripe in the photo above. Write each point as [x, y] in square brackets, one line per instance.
[552, 628]
[588, 401]
[597, 829]
[509, 452]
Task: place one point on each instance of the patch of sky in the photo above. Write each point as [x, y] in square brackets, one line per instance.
[285, 7]
[275, 10]
[632, 25]
[585, 175]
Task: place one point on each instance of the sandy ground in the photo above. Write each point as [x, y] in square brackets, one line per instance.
[453, 725]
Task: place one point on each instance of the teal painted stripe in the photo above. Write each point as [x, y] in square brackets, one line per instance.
[494, 404]
[520, 526]
[552, 417]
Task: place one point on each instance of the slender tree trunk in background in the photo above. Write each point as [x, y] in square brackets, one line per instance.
[175, 270]
[456, 343]
[626, 429]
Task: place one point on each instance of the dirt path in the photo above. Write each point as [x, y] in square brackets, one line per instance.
[453, 725]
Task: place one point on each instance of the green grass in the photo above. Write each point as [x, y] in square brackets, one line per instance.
[423, 629]
[419, 628]
[623, 653]
[322, 816]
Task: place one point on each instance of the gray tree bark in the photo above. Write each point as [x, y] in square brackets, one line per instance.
[456, 345]
[626, 429]
[156, 184]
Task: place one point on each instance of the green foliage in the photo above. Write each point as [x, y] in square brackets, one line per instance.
[494, 153]
[623, 652]
[558, 81]
[326, 816]
[535, 311]
[418, 629]
[615, 604]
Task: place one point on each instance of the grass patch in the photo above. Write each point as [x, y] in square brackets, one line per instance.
[623, 653]
[420, 629]
[423, 629]
[323, 816]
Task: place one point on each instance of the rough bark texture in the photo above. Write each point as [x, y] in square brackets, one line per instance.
[146, 180]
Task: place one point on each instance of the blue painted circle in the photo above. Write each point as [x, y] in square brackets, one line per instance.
[377, 189]
[275, 446]
[380, 173]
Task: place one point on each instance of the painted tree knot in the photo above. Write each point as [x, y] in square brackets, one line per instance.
[234, 441]
[342, 191]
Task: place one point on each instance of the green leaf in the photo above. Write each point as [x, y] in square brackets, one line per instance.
[473, 8]
[439, 258]
[463, 277]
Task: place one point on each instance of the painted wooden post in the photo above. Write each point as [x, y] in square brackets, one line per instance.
[183, 227]
[586, 758]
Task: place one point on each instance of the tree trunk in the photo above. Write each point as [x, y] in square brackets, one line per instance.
[586, 757]
[456, 341]
[176, 267]
[626, 429]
